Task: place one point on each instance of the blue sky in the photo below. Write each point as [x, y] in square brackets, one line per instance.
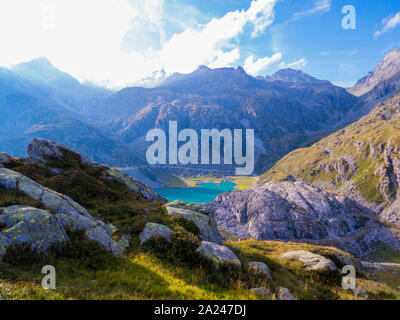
[130, 42]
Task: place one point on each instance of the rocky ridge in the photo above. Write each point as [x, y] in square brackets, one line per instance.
[42, 228]
[298, 211]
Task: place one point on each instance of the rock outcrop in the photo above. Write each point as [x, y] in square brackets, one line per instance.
[52, 200]
[284, 294]
[205, 222]
[21, 224]
[311, 261]
[43, 151]
[264, 292]
[298, 211]
[135, 185]
[4, 158]
[262, 268]
[155, 231]
[69, 213]
[218, 254]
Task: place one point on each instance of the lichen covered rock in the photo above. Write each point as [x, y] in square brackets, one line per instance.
[52, 200]
[69, 213]
[155, 231]
[41, 151]
[198, 207]
[264, 292]
[311, 260]
[135, 185]
[206, 224]
[218, 254]
[261, 267]
[99, 234]
[284, 294]
[23, 224]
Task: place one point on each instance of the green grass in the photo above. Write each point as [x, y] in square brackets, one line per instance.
[174, 271]
[242, 182]
[140, 276]
[305, 285]
[384, 253]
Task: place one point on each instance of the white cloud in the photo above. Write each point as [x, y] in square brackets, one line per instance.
[320, 6]
[88, 38]
[389, 24]
[226, 58]
[294, 65]
[254, 68]
[203, 46]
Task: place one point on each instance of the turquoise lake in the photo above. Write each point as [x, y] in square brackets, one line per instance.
[205, 192]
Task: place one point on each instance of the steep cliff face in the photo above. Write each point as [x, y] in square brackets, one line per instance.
[387, 69]
[301, 212]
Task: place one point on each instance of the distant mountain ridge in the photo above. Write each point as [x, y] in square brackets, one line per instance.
[287, 110]
[283, 114]
[65, 89]
[291, 75]
[387, 68]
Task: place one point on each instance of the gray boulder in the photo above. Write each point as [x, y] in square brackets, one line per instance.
[287, 210]
[284, 294]
[206, 224]
[69, 213]
[264, 292]
[261, 267]
[99, 234]
[4, 158]
[218, 254]
[310, 260]
[296, 210]
[52, 200]
[155, 231]
[42, 151]
[198, 207]
[76, 222]
[135, 185]
[23, 224]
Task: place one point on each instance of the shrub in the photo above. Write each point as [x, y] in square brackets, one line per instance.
[87, 253]
[21, 254]
[160, 247]
[188, 225]
[184, 246]
[138, 224]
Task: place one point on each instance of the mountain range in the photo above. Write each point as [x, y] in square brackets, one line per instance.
[287, 110]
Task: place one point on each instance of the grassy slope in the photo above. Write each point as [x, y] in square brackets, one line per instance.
[145, 274]
[370, 131]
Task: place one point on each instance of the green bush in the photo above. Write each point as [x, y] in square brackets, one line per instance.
[188, 225]
[138, 224]
[21, 254]
[87, 253]
[160, 247]
[184, 246]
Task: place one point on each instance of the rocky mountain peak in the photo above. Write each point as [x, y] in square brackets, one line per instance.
[388, 68]
[292, 75]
